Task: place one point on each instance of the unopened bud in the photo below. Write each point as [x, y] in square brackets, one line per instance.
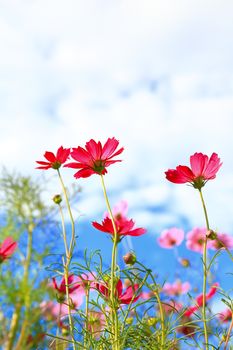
[151, 321]
[129, 320]
[185, 262]
[65, 331]
[130, 258]
[57, 199]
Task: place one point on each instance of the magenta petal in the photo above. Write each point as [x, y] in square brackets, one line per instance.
[119, 288]
[55, 283]
[84, 173]
[137, 232]
[50, 157]
[81, 155]
[94, 149]
[8, 247]
[198, 163]
[212, 167]
[109, 147]
[175, 177]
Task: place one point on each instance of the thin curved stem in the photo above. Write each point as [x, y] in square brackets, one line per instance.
[86, 342]
[115, 345]
[72, 241]
[205, 272]
[228, 334]
[69, 252]
[161, 311]
[27, 289]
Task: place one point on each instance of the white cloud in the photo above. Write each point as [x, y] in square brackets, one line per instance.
[156, 75]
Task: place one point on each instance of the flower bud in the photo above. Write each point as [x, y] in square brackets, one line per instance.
[64, 331]
[151, 321]
[129, 320]
[57, 199]
[184, 262]
[130, 258]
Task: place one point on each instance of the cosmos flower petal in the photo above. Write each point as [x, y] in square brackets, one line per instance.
[94, 149]
[198, 163]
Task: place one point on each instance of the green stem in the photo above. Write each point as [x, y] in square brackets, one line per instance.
[205, 272]
[58, 327]
[72, 241]
[27, 298]
[64, 234]
[69, 301]
[69, 253]
[115, 345]
[161, 311]
[228, 334]
[13, 327]
[86, 342]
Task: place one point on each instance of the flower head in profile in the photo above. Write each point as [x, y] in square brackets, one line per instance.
[121, 297]
[225, 315]
[176, 288]
[7, 248]
[171, 238]
[124, 227]
[94, 158]
[199, 300]
[54, 161]
[202, 169]
[86, 281]
[61, 289]
[171, 306]
[223, 240]
[195, 240]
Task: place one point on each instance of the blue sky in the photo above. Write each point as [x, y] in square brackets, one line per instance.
[157, 75]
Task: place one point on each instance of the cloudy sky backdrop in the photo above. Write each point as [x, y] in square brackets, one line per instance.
[157, 75]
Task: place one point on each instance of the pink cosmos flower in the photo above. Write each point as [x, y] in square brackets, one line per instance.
[119, 211]
[54, 161]
[195, 240]
[199, 300]
[225, 315]
[94, 158]
[124, 227]
[223, 240]
[122, 297]
[171, 306]
[202, 169]
[85, 281]
[176, 288]
[171, 237]
[52, 310]
[7, 248]
[147, 295]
